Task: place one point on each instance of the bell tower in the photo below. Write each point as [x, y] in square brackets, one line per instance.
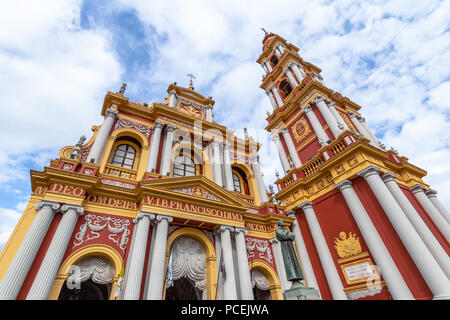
[347, 191]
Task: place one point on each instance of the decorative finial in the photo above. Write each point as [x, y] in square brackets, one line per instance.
[277, 174]
[246, 133]
[77, 149]
[122, 88]
[265, 32]
[191, 85]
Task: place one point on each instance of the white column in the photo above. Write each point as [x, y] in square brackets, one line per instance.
[272, 99]
[277, 52]
[432, 195]
[299, 73]
[259, 179]
[102, 135]
[291, 77]
[433, 275]
[156, 281]
[20, 265]
[281, 153]
[48, 270]
[245, 283]
[422, 229]
[263, 65]
[268, 66]
[167, 155]
[433, 213]
[277, 96]
[227, 167]
[341, 123]
[317, 127]
[333, 279]
[279, 262]
[216, 163]
[291, 148]
[172, 99]
[362, 130]
[218, 247]
[208, 114]
[392, 276]
[136, 264]
[303, 255]
[230, 291]
[154, 146]
[372, 136]
[328, 116]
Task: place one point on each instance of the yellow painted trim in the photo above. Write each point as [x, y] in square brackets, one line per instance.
[253, 187]
[18, 234]
[210, 254]
[91, 250]
[274, 283]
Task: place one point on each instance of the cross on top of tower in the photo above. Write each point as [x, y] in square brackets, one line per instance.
[265, 32]
[191, 85]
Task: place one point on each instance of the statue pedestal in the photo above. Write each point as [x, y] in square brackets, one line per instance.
[300, 292]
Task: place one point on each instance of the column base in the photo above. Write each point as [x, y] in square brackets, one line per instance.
[301, 292]
[442, 297]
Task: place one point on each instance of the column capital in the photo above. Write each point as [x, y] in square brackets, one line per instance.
[431, 193]
[276, 137]
[369, 171]
[239, 229]
[171, 128]
[291, 213]
[53, 205]
[78, 209]
[344, 184]
[161, 217]
[352, 114]
[305, 205]
[141, 214]
[158, 125]
[417, 188]
[226, 145]
[306, 109]
[274, 241]
[388, 177]
[318, 98]
[225, 227]
[111, 113]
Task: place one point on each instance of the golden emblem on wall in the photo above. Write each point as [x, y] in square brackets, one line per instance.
[190, 109]
[300, 129]
[347, 246]
[197, 191]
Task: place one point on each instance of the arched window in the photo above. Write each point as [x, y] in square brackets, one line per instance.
[274, 60]
[183, 165]
[236, 183]
[285, 87]
[124, 156]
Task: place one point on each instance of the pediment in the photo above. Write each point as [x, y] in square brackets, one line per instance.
[197, 188]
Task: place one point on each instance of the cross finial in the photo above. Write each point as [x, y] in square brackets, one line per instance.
[265, 32]
[191, 85]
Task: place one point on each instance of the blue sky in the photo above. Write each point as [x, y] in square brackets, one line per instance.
[59, 58]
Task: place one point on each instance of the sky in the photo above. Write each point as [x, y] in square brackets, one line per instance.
[58, 59]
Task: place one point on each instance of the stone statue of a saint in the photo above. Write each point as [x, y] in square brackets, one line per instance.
[293, 271]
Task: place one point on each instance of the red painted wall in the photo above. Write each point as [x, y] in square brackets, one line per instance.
[399, 254]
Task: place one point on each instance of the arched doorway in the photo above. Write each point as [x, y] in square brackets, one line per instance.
[186, 272]
[90, 278]
[260, 284]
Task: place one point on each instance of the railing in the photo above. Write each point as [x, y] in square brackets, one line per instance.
[313, 165]
[248, 199]
[120, 172]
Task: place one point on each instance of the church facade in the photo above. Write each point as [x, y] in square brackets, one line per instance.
[162, 202]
